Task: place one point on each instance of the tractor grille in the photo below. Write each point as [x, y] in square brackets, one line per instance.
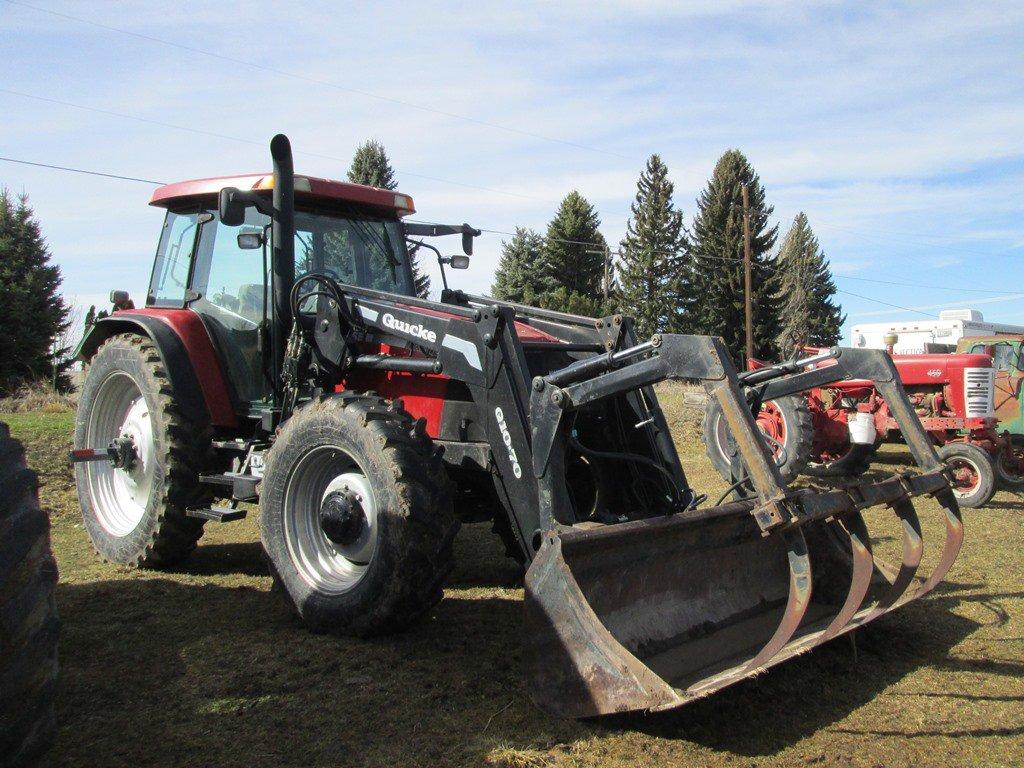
[978, 390]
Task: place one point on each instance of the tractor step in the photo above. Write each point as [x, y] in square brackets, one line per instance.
[217, 514]
[243, 487]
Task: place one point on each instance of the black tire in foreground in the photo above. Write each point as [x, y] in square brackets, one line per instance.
[974, 473]
[29, 626]
[786, 420]
[136, 515]
[356, 515]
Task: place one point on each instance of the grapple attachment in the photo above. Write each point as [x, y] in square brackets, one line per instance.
[653, 613]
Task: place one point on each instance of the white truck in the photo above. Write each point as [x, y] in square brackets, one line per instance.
[927, 335]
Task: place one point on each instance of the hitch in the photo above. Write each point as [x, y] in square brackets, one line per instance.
[121, 453]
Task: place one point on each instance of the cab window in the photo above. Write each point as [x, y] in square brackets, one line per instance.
[173, 258]
[1004, 356]
[364, 252]
[227, 276]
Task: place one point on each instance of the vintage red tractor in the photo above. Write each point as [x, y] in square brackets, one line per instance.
[835, 430]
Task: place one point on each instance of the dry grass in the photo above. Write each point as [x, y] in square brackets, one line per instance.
[204, 666]
[38, 397]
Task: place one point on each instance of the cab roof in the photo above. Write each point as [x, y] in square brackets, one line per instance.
[307, 188]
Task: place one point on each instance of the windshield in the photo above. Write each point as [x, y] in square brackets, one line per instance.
[365, 252]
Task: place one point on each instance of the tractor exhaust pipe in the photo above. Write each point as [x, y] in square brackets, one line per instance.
[283, 252]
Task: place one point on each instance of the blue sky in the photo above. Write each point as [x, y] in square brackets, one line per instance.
[898, 128]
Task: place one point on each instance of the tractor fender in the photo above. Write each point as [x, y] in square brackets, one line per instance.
[193, 367]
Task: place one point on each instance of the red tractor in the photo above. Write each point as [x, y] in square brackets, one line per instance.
[283, 358]
[835, 430]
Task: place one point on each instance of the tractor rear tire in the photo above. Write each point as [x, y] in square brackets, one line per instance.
[789, 416]
[854, 463]
[975, 483]
[356, 515]
[29, 626]
[1009, 477]
[137, 517]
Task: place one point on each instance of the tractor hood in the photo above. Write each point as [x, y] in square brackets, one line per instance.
[933, 368]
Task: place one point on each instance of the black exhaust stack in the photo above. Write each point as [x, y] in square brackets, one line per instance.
[283, 251]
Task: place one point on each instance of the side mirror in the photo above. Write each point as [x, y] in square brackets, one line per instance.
[456, 262]
[230, 208]
[248, 241]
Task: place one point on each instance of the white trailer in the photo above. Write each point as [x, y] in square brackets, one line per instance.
[926, 335]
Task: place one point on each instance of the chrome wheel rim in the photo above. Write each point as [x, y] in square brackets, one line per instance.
[326, 566]
[120, 495]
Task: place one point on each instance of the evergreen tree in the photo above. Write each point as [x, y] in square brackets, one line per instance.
[653, 274]
[561, 299]
[519, 270]
[716, 247]
[574, 249]
[371, 166]
[32, 313]
[90, 317]
[807, 314]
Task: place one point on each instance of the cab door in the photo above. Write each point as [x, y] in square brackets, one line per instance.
[229, 290]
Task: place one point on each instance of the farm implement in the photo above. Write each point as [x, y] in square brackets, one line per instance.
[834, 429]
[283, 358]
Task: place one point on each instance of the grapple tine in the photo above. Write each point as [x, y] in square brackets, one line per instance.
[863, 567]
[913, 549]
[796, 603]
[954, 540]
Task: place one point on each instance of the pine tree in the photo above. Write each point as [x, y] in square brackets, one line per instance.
[716, 245]
[90, 317]
[32, 313]
[519, 270]
[653, 271]
[574, 249]
[807, 314]
[371, 166]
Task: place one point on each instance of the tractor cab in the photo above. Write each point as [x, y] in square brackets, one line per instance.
[222, 267]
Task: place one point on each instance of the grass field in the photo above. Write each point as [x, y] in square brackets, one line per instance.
[205, 666]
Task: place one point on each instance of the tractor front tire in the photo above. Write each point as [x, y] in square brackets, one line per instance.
[974, 473]
[356, 515]
[787, 420]
[136, 516]
[29, 626]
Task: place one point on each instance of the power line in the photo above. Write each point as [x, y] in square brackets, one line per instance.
[491, 231]
[314, 80]
[80, 170]
[885, 237]
[736, 260]
[240, 140]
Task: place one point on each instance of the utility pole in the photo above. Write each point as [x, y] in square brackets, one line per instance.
[747, 277]
[606, 277]
[607, 271]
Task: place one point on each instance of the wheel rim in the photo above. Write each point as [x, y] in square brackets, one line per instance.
[770, 421]
[966, 476]
[1011, 464]
[120, 495]
[327, 566]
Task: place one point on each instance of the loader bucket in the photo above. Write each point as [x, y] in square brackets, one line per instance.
[652, 614]
[655, 611]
